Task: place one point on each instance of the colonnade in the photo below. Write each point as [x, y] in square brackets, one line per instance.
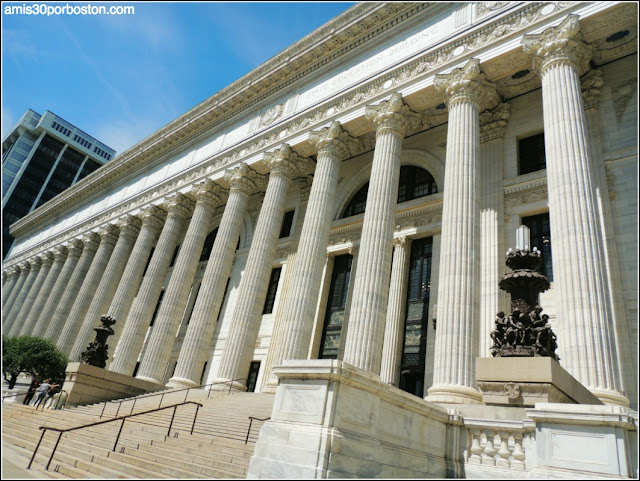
[61, 294]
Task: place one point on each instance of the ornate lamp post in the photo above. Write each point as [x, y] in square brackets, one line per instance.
[524, 333]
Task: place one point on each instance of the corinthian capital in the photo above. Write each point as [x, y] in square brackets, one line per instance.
[393, 114]
[179, 205]
[591, 84]
[493, 123]
[467, 84]
[25, 266]
[285, 161]
[129, 226]
[109, 234]
[209, 193]
[153, 216]
[36, 263]
[74, 248]
[334, 140]
[91, 242]
[558, 44]
[244, 179]
[47, 258]
[60, 254]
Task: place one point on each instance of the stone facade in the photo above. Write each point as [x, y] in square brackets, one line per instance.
[448, 90]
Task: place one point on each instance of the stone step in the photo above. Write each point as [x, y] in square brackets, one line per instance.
[224, 446]
[91, 444]
[136, 465]
[214, 470]
[196, 462]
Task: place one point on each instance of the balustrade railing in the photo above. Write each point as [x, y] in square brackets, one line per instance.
[498, 443]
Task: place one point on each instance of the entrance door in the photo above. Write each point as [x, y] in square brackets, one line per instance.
[415, 330]
[332, 331]
[252, 377]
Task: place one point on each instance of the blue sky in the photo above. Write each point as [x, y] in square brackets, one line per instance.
[120, 78]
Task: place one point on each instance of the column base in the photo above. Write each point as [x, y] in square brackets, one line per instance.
[614, 398]
[149, 379]
[180, 382]
[270, 387]
[223, 385]
[453, 395]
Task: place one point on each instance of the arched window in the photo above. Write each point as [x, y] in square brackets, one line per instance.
[414, 183]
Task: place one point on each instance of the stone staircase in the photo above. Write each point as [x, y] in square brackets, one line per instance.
[216, 449]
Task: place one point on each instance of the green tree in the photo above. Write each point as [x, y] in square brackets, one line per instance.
[32, 355]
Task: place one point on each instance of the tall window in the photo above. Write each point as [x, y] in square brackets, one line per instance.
[208, 246]
[287, 223]
[272, 290]
[531, 155]
[332, 331]
[540, 237]
[155, 312]
[414, 183]
[412, 365]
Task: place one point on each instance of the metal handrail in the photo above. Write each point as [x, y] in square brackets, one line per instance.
[161, 394]
[251, 418]
[124, 418]
[35, 392]
[14, 394]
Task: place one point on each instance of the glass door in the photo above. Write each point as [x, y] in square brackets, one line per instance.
[412, 365]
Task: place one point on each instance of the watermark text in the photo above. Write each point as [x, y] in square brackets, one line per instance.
[67, 9]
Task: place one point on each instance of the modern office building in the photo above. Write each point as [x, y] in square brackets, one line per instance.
[41, 156]
[332, 228]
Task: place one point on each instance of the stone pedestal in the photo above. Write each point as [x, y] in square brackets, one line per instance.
[514, 381]
[87, 384]
[585, 442]
[331, 419]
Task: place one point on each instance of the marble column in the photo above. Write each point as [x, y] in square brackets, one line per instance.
[587, 344]
[12, 279]
[90, 242]
[5, 277]
[179, 209]
[14, 316]
[152, 220]
[365, 334]
[18, 291]
[32, 297]
[129, 230]
[58, 289]
[591, 84]
[466, 92]
[493, 124]
[30, 326]
[154, 362]
[284, 165]
[279, 324]
[243, 182]
[10, 290]
[73, 323]
[396, 311]
[333, 145]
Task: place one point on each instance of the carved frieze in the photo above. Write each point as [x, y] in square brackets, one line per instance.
[622, 93]
[493, 123]
[528, 196]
